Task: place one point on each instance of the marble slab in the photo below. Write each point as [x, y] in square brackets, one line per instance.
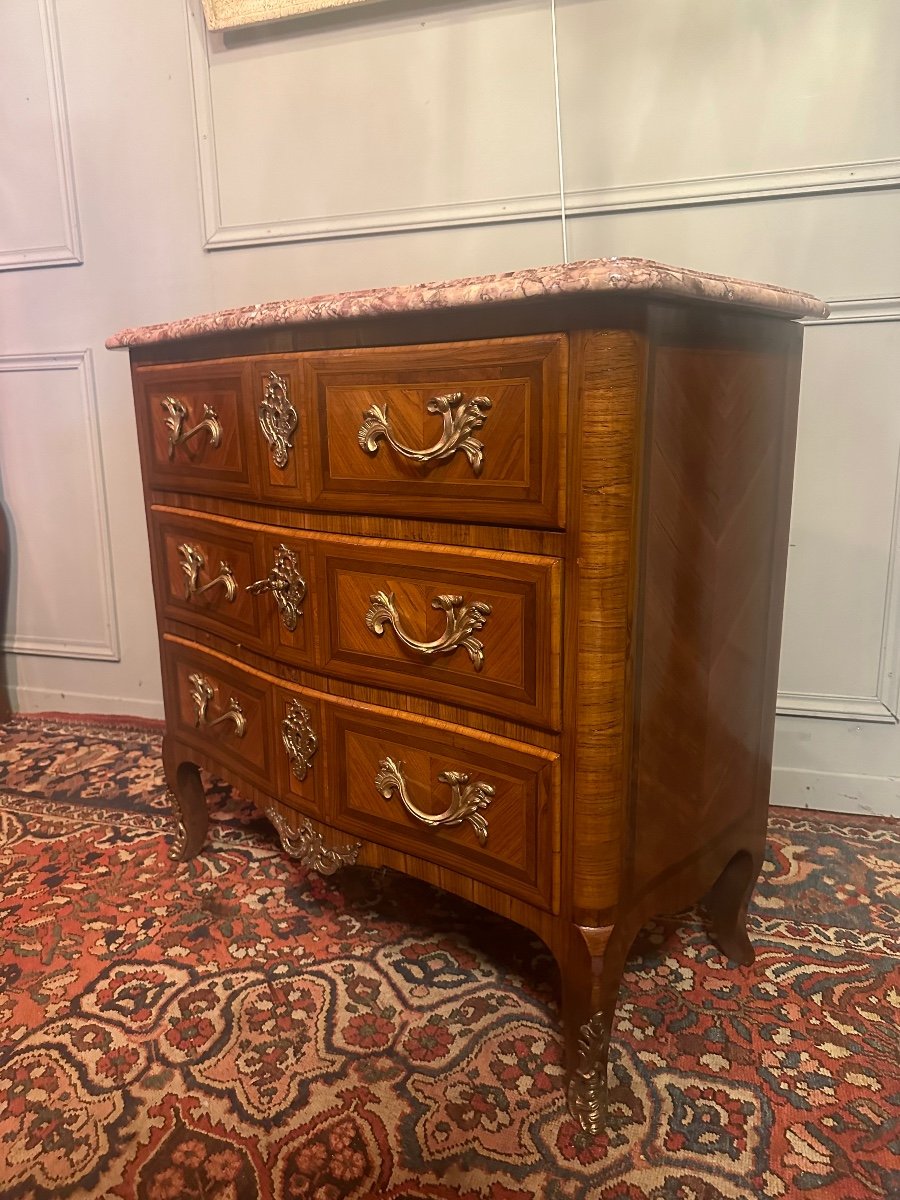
[598, 275]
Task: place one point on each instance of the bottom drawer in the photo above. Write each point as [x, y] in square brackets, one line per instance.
[483, 807]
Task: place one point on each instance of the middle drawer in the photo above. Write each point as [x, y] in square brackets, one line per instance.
[471, 627]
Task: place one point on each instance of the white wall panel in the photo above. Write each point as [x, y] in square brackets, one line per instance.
[423, 117]
[54, 495]
[842, 610]
[38, 215]
[677, 94]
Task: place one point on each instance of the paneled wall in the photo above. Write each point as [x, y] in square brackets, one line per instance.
[151, 170]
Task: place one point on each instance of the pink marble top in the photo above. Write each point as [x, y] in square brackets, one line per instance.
[592, 275]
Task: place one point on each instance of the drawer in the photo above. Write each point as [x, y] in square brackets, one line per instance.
[235, 579]
[468, 431]
[222, 709]
[191, 424]
[484, 807]
[470, 627]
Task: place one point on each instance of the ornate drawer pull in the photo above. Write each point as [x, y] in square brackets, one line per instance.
[202, 692]
[461, 418]
[466, 799]
[308, 845]
[192, 563]
[286, 584]
[176, 415]
[277, 418]
[463, 620]
[299, 740]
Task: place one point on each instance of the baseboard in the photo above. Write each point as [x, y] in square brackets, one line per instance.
[870, 795]
[46, 701]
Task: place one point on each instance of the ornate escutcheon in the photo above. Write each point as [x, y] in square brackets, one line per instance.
[299, 740]
[286, 584]
[466, 799]
[588, 1094]
[277, 418]
[192, 563]
[176, 415]
[307, 844]
[463, 621]
[461, 418]
[202, 693]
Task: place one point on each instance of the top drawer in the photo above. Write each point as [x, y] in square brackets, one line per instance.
[191, 423]
[467, 431]
[463, 431]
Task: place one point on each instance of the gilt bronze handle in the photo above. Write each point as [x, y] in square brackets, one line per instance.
[202, 693]
[466, 799]
[192, 563]
[463, 621]
[177, 414]
[286, 584]
[461, 418]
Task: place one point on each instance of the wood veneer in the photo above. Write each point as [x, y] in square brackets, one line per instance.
[629, 743]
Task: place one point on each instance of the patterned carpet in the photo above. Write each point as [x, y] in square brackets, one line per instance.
[232, 1028]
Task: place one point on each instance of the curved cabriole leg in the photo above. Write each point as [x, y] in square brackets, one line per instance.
[591, 967]
[727, 903]
[188, 803]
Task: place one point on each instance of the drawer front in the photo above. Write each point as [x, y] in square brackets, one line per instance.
[477, 629]
[191, 425]
[203, 570]
[235, 579]
[487, 809]
[463, 432]
[225, 711]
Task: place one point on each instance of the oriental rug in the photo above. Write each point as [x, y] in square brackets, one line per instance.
[234, 1028]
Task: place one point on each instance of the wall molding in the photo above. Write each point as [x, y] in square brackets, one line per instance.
[49, 645]
[859, 312]
[68, 252]
[675, 193]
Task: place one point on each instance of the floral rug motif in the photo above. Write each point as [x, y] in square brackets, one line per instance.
[234, 1028]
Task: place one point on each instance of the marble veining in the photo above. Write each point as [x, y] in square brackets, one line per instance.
[591, 275]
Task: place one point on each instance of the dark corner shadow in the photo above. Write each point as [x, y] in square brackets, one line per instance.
[5, 576]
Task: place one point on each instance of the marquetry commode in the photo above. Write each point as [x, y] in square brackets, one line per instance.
[483, 581]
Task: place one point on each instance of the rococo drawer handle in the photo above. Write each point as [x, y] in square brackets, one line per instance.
[461, 418]
[463, 620]
[277, 418]
[192, 563]
[286, 584]
[176, 415]
[202, 692]
[299, 740]
[466, 799]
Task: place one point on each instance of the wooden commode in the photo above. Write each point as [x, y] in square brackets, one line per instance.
[482, 581]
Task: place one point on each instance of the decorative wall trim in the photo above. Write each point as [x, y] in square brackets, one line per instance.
[724, 189]
[805, 181]
[884, 706]
[859, 312]
[842, 708]
[49, 645]
[69, 252]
